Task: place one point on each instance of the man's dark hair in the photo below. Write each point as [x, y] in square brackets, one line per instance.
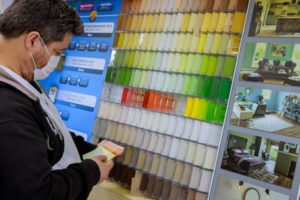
[51, 18]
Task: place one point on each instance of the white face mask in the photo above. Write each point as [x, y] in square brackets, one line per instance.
[44, 72]
[40, 74]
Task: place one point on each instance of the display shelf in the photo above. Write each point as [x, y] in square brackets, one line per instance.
[158, 112]
[184, 12]
[172, 136]
[162, 6]
[138, 34]
[292, 116]
[170, 93]
[184, 32]
[180, 52]
[172, 114]
[292, 111]
[143, 121]
[169, 113]
[166, 175]
[160, 155]
[170, 72]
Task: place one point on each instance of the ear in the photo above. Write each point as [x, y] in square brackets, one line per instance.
[32, 40]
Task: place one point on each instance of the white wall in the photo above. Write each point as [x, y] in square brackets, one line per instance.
[228, 189]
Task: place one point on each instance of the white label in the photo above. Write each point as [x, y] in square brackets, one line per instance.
[98, 27]
[77, 98]
[85, 63]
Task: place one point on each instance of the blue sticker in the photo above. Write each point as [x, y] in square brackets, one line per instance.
[82, 46]
[65, 115]
[64, 79]
[103, 47]
[84, 82]
[92, 46]
[72, 45]
[73, 81]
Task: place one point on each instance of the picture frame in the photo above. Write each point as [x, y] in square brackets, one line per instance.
[286, 147]
[279, 50]
[292, 145]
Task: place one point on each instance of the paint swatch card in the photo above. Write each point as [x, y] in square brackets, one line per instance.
[238, 20]
[106, 148]
[221, 22]
[206, 22]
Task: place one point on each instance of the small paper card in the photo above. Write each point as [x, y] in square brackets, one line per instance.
[105, 148]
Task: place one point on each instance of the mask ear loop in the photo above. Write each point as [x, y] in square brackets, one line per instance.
[35, 66]
[45, 46]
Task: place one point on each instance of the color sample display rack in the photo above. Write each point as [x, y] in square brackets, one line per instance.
[166, 93]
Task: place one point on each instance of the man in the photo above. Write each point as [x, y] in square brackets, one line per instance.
[38, 157]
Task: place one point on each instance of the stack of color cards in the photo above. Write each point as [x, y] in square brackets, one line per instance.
[166, 93]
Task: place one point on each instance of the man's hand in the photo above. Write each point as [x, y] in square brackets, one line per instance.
[104, 166]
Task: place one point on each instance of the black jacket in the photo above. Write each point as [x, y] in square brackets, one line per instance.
[25, 160]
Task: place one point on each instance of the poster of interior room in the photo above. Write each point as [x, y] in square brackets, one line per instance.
[267, 110]
[228, 188]
[261, 158]
[275, 18]
[271, 63]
